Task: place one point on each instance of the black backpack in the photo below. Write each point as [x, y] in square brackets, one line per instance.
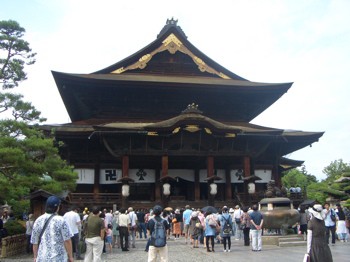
[226, 230]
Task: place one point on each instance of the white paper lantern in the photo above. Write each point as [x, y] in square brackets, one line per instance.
[166, 189]
[213, 189]
[125, 190]
[251, 188]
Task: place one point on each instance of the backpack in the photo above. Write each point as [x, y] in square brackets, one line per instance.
[227, 228]
[333, 217]
[158, 236]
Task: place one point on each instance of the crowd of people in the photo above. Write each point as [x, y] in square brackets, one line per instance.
[52, 237]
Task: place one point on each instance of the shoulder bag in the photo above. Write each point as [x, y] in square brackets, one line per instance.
[45, 226]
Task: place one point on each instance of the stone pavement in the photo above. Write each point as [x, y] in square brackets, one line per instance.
[181, 252]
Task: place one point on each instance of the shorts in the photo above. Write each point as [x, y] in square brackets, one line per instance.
[109, 239]
[186, 228]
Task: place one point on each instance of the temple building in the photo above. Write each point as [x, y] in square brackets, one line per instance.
[168, 124]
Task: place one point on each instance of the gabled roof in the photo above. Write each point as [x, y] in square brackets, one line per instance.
[171, 39]
[158, 80]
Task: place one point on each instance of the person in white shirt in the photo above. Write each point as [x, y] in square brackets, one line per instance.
[109, 217]
[133, 226]
[73, 220]
[237, 220]
[56, 244]
[330, 223]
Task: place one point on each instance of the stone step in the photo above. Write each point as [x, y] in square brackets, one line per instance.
[292, 244]
[290, 239]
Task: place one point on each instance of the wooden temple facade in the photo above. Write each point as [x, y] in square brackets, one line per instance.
[168, 124]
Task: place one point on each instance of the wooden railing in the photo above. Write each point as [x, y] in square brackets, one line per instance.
[91, 198]
[13, 245]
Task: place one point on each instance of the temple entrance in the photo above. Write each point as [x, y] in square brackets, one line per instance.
[142, 191]
[182, 190]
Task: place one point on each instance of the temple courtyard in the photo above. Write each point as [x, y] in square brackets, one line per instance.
[181, 252]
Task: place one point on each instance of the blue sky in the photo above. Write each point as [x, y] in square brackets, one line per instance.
[305, 42]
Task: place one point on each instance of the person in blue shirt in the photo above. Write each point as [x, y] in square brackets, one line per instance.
[256, 223]
[226, 218]
[186, 220]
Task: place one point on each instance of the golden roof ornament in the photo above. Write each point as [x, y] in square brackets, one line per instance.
[192, 109]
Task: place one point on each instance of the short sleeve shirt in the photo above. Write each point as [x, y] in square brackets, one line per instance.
[73, 220]
[51, 247]
[94, 226]
[256, 216]
[187, 216]
[151, 223]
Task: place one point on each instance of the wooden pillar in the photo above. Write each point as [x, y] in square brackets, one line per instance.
[276, 175]
[125, 166]
[210, 166]
[210, 173]
[125, 174]
[165, 165]
[96, 188]
[246, 166]
[157, 186]
[197, 188]
[228, 186]
[164, 173]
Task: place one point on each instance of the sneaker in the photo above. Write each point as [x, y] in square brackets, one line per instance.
[225, 250]
[229, 250]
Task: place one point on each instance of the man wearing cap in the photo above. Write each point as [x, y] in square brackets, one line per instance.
[55, 242]
[154, 251]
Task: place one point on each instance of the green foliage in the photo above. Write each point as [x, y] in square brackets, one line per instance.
[347, 203]
[335, 170]
[15, 54]
[27, 156]
[19, 206]
[13, 227]
[294, 178]
[316, 191]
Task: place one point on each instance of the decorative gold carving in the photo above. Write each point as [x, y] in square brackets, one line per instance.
[172, 44]
[192, 128]
[152, 133]
[176, 130]
[142, 63]
[208, 131]
[232, 135]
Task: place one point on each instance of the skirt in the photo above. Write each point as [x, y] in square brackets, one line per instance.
[177, 228]
[341, 227]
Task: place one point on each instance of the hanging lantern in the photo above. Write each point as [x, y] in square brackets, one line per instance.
[213, 189]
[166, 189]
[125, 190]
[251, 188]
